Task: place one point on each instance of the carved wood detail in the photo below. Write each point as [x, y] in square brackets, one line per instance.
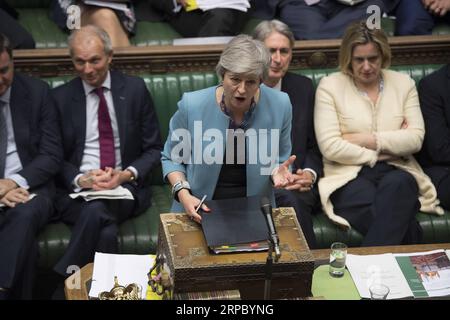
[163, 59]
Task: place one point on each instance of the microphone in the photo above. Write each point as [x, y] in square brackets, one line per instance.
[266, 209]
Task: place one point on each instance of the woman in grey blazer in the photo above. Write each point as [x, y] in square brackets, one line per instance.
[232, 140]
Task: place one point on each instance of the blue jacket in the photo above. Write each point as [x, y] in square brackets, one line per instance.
[203, 125]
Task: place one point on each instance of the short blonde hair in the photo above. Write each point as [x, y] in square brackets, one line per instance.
[359, 34]
[244, 55]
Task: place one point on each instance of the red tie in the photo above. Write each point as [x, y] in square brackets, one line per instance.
[105, 133]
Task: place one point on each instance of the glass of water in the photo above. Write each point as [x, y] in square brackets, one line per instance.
[338, 255]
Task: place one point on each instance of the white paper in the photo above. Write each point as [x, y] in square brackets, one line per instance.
[128, 268]
[30, 196]
[201, 41]
[113, 194]
[380, 268]
[241, 5]
[107, 4]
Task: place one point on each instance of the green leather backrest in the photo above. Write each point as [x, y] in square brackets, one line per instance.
[167, 89]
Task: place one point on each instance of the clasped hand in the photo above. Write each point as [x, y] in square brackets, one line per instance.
[14, 197]
[437, 7]
[99, 179]
[283, 178]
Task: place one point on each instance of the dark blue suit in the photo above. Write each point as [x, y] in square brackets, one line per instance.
[434, 94]
[301, 92]
[412, 18]
[95, 223]
[38, 142]
[327, 19]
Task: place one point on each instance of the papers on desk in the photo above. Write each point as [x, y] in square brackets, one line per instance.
[378, 268]
[114, 194]
[205, 5]
[422, 274]
[128, 268]
[31, 196]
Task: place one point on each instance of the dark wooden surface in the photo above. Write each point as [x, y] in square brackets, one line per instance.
[321, 256]
[410, 50]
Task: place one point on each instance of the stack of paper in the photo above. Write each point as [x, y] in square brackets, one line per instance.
[128, 269]
[418, 275]
[113, 194]
[205, 5]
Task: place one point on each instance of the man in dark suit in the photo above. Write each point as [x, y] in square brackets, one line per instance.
[110, 138]
[434, 94]
[30, 155]
[308, 164]
[198, 23]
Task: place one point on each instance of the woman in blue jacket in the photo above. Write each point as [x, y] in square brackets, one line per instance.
[232, 140]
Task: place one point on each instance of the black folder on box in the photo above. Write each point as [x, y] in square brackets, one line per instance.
[235, 225]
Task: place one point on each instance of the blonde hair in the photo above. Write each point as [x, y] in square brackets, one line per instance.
[359, 34]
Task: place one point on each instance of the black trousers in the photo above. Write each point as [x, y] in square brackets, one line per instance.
[19, 37]
[19, 228]
[211, 23]
[95, 226]
[305, 205]
[443, 191]
[381, 203]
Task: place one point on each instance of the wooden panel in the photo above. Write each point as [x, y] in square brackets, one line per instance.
[409, 50]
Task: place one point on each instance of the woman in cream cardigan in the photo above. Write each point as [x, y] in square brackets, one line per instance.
[368, 126]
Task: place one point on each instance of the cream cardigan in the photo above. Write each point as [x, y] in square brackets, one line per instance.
[340, 108]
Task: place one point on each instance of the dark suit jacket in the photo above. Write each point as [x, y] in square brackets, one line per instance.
[301, 92]
[36, 131]
[434, 94]
[140, 140]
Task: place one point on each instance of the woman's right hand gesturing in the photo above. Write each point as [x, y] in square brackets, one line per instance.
[190, 204]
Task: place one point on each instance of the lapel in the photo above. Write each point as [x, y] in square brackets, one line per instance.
[286, 85]
[20, 105]
[447, 88]
[120, 107]
[78, 116]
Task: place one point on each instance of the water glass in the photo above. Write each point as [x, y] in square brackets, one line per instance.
[379, 291]
[337, 259]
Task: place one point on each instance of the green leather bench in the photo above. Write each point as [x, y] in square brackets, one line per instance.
[33, 15]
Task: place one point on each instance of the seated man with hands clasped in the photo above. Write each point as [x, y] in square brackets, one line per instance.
[111, 138]
[30, 156]
[245, 128]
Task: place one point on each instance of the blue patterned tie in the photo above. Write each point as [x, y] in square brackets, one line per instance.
[3, 140]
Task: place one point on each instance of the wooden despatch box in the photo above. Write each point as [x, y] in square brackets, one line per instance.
[189, 266]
